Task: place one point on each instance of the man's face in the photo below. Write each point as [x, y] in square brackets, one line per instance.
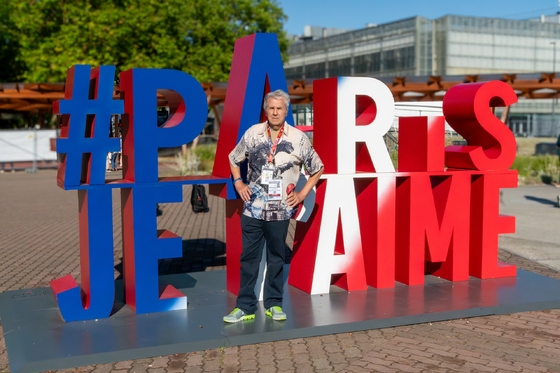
[276, 111]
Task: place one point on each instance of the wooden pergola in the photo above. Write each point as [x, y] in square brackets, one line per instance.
[37, 98]
[420, 88]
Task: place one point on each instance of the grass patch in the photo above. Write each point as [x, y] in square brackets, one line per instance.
[528, 145]
[537, 169]
[197, 161]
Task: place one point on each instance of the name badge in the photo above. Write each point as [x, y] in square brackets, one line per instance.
[267, 174]
[275, 190]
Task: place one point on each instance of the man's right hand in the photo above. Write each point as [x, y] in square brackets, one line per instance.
[243, 190]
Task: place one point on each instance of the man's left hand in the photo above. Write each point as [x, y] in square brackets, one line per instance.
[294, 199]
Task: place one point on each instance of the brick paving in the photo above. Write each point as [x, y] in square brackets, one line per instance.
[39, 242]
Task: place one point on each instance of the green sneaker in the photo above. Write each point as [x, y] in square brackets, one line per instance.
[237, 315]
[276, 313]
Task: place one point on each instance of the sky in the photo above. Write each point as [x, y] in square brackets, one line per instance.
[356, 14]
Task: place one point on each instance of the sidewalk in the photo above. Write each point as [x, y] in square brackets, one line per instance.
[39, 242]
[537, 236]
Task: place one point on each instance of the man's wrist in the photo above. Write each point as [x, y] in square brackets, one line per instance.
[236, 180]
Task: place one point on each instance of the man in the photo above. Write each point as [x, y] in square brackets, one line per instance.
[276, 152]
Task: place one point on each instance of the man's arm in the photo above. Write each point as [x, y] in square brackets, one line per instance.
[295, 198]
[240, 186]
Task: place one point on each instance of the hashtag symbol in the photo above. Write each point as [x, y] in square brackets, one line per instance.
[86, 119]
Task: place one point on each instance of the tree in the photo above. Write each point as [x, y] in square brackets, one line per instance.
[217, 24]
[196, 36]
[11, 66]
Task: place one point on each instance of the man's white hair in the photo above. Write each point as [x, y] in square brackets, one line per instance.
[278, 94]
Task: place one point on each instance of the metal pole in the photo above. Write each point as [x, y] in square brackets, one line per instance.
[35, 149]
[34, 166]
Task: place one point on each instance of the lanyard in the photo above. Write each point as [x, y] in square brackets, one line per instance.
[274, 144]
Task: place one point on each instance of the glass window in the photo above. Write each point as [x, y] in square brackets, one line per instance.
[315, 71]
[342, 67]
[295, 73]
[368, 63]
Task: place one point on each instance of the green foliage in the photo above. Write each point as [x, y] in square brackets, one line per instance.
[205, 154]
[10, 59]
[391, 142]
[394, 154]
[205, 151]
[537, 169]
[197, 161]
[195, 36]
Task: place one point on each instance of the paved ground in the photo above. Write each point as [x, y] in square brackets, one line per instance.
[537, 234]
[39, 242]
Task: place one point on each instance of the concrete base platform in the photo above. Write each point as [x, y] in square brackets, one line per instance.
[37, 339]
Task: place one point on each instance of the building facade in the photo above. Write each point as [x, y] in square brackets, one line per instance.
[450, 45]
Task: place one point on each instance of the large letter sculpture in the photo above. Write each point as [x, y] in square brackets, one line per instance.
[371, 226]
[437, 215]
[84, 143]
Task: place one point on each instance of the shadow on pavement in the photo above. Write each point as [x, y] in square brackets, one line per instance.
[544, 201]
[198, 255]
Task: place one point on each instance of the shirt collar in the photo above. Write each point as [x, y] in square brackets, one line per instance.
[262, 129]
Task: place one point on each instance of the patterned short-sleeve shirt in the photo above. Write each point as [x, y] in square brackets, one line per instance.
[293, 152]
